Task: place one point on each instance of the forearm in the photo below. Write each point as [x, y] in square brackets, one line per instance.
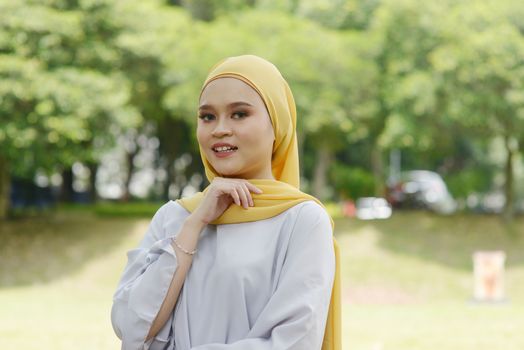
[188, 239]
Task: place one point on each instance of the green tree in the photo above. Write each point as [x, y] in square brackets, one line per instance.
[481, 65]
[320, 90]
[61, 102]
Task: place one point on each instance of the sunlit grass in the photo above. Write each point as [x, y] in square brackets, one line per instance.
[407, 282]
[75, 264]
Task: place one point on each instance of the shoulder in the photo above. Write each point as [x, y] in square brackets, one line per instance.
[170, 208]
[169, 214]
[310, 214]
[312, 233]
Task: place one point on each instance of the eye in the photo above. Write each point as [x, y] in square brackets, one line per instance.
[239, 115]
[206, 117]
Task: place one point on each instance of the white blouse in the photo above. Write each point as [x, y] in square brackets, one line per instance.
[252, 286]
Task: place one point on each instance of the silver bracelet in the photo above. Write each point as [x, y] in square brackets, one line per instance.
[182, 249]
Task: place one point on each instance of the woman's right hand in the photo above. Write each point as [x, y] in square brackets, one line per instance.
[221, 194]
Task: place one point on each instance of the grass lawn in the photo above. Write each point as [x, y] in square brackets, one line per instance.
[406, 282]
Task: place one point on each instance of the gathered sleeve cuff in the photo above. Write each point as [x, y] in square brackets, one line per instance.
[143, 288]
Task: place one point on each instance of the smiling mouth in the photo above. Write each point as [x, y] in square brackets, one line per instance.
[224, 149]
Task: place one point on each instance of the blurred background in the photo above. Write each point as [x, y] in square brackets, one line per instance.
[410, 126]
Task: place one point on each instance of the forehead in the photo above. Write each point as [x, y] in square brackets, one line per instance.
[227, 90]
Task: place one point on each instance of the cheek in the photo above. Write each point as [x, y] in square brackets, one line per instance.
[260, 139]
[201, 135]
[268, 135]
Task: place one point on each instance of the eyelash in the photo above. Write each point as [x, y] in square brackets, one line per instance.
[205, 118]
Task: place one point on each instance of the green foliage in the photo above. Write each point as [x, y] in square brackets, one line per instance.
[132, 209]
[483, 80]
[351, 182]
[137, 209]
[60, 101]
[337, 14]
[469, 181]
[403, 74]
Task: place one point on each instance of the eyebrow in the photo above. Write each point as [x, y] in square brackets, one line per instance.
[233, 104]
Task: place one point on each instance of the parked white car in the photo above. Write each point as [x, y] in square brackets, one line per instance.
[369, 208]
[421, 189]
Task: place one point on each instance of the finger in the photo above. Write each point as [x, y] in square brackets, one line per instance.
[253, 188]
[243, 197]
[233, 193]
[248, 195]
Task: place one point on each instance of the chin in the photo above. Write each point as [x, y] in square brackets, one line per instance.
[227, 172]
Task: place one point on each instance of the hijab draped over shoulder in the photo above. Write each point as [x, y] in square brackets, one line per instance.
[283, 192]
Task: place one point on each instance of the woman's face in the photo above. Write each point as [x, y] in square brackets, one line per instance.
[234, 130]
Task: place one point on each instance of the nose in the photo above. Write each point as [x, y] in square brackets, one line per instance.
[222, 128]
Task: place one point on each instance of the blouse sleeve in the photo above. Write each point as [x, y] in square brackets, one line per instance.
[296, 314]
[143, 287]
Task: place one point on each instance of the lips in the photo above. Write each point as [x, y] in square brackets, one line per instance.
[223, 147]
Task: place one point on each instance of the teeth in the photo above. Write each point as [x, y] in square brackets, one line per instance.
[223, 149]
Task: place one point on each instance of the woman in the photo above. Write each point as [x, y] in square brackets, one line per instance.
[250, 263]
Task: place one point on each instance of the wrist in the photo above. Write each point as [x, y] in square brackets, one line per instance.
[195, 222]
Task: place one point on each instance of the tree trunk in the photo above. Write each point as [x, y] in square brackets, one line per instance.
[130, 158]
[379, 125]
[170, 176]
[93, 170]
[5, 188]
[174, 138]
[67, 185]
[377, 166]
[509, 208]
[320, 188]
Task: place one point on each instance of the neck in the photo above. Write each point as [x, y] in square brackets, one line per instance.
[263, 175]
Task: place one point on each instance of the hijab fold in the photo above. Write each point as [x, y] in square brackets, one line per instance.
[282, 193]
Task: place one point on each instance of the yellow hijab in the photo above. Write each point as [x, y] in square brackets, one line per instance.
[283, 193]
